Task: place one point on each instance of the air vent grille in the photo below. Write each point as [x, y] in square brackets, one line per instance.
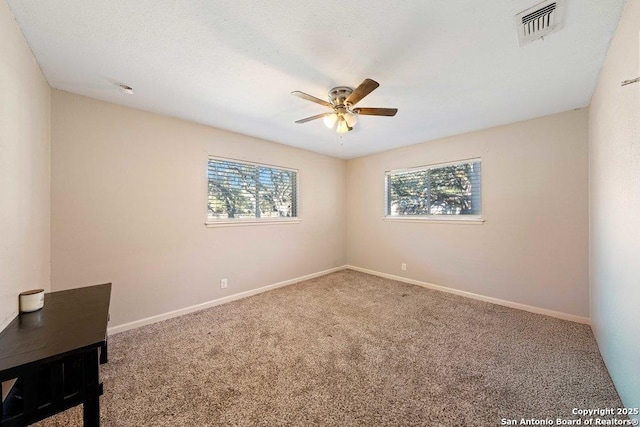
[539, 21]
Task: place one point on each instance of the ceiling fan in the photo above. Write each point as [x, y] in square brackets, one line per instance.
[342, 99]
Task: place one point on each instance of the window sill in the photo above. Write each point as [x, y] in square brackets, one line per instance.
[245, 222]
[468, 221]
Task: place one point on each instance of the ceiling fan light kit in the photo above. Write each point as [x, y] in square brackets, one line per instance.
[345, 121]
[341, 101]
[330, 120]
[343, 126]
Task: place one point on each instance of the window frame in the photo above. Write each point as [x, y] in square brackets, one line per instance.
[441, 219]
[235, 222]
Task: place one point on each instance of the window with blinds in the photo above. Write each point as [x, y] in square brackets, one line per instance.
[444, 191]
[250, 191]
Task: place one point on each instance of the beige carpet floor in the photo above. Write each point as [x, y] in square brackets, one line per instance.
[350, 349]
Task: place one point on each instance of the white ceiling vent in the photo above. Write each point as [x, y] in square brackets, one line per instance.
[539, 21]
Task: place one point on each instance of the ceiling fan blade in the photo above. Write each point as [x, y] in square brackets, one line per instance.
[311, 98]
[389, 112]
[318, 116]
[365, 88]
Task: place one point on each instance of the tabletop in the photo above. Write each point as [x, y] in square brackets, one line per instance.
[71, 320]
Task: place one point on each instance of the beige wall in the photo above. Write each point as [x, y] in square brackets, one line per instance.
[129, 206]
[614, 138]
[533, 247]
[24, 169]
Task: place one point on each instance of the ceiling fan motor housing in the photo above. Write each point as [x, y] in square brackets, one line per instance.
[339, 94]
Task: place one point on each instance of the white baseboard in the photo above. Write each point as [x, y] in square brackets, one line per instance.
[234, 297]
[213, 303]
[537, 310]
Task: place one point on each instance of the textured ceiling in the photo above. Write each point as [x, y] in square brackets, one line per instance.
[449, 66]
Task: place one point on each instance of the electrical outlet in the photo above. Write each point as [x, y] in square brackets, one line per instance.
[223, 284]
[403, 266]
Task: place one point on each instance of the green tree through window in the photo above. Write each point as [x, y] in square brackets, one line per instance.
[239, 190]
[435, 190]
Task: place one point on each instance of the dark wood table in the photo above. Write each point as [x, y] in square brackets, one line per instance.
[55, 354]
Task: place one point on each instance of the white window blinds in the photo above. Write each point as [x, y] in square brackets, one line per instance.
[435, 191]
[241, 190]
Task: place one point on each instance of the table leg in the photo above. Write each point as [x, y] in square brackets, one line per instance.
[103, 352]
[91, 404]
[91, 412]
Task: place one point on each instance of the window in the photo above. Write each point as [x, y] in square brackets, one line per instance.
[250, 192]
[444, 191]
